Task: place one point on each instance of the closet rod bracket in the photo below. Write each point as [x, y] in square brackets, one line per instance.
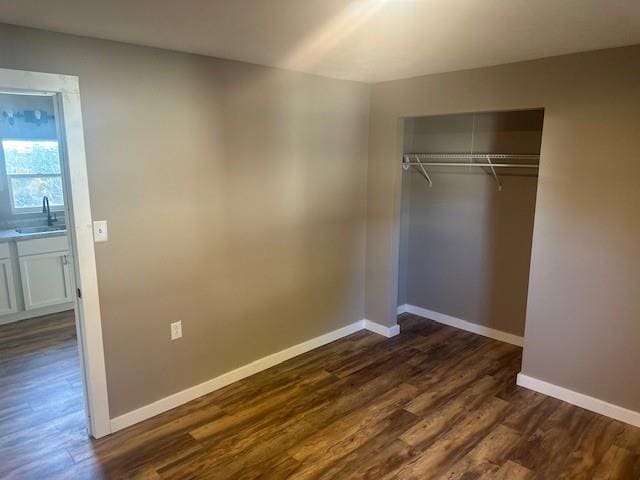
[495, 175]
[406, 164]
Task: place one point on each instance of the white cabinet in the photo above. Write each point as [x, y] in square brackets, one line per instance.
[35, 278]
[45, 279]
[44, 272]
[8, 302]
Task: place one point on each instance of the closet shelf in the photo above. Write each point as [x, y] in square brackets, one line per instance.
[422, 160]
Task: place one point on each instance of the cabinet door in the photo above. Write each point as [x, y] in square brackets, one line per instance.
[45, 279]
[7, 288]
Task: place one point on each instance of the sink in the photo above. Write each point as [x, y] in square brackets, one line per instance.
[43, 229]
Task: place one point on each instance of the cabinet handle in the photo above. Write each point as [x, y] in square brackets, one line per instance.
[65, 261]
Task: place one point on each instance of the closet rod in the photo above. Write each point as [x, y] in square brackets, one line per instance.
[485, 165]
[473, 155]
[487, 157]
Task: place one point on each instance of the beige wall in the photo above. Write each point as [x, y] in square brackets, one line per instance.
[465, 247]
[582, 329]
[235, 196]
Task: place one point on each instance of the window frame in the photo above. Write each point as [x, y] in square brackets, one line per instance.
[30, 210]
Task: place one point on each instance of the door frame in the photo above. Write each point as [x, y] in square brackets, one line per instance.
[66, 94]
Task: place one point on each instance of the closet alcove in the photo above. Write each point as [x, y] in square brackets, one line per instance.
[466, 230]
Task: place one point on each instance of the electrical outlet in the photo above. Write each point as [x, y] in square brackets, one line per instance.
[176, 330]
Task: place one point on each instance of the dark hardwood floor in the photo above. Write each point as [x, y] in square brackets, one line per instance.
[431, 403]
[41, 402]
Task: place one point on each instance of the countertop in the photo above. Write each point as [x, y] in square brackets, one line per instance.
[11, 235]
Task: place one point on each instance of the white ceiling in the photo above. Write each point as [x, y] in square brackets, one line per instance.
[366, 40]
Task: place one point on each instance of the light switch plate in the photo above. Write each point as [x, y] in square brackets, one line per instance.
[100, 233]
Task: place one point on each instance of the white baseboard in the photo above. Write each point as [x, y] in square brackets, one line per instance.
[580, 399]
[462, 324]
[184, 396]
[381, 329]
[37, 312]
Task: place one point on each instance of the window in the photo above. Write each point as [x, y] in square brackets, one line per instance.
[33, 171]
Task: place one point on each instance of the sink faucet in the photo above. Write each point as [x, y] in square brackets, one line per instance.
[46, 209]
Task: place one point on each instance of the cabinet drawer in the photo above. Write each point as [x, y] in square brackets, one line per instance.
[4, 251]
[42, 245]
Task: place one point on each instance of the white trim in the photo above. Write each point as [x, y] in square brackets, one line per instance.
[402, 309]
[66, 93]
[180, 398]
[580, 400]
[381, 329]
[189, 394]
[463, 324]
[37, 83]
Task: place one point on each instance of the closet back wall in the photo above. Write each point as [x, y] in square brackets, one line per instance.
[465, 248]
[235, 196]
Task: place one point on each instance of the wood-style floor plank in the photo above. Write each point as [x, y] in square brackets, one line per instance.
[432, 403]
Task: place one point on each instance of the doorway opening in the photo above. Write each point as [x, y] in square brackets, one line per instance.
[41, 373]
[51, 352]
[467, 212]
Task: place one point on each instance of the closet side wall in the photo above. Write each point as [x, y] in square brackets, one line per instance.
[466, 246]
